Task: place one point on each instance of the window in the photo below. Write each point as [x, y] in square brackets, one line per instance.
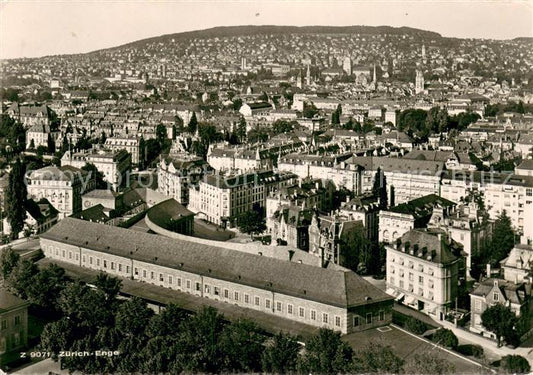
[136, 271]
[179, 282]
[421, 291]
[70, 254]
[217, 291]
[391, 280]
[338, 321]
[267, 303]
[161, 278]
[246, 298]
[144, 274]
[105, 263]
[90, 260]
[198, 287]
[188, 284]
[236, 295]
[4, 324]
[382, 315]
[17, 320]
[496, 297]
[112, 265]
[401, 284]
[289, 309]
[119, 267]
[226, 293]
[313, 315]
[127, 269]
[170, 279]
[411, 276]
[152, 275]
[368, 318]
[206, 288]
[529, 192]
[355, 321]
[257, 301]
[325, 317]
[421, 279]
[278, 306]
[478, 305]
[301, 312]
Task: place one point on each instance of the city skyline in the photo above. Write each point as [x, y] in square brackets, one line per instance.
[78, 27]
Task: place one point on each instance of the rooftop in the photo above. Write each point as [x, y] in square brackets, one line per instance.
[333, 287]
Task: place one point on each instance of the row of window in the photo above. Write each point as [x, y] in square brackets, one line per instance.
[17, 320]
[411, 289]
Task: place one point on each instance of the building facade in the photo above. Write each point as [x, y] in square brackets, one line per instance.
[13, 326]
[61, 186]
[423, 271]
[336, 299]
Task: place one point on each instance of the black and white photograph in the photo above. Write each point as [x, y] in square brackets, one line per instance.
[266, 187]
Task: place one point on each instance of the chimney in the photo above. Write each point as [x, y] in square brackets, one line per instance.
[488, 269]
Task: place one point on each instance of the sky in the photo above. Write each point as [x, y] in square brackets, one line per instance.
[49, 27]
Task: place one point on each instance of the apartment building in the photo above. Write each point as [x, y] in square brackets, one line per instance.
[336, 299]
[61, 186]
[220, 199]
[38, 135]
[423, 271]
[510, 192]
[400, 219]
[130, 144]
[177, 172]
[13, 326]
[114, 165]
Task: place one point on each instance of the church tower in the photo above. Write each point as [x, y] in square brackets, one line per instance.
[419, 82]
[308, 76]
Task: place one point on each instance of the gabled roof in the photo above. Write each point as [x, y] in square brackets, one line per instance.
[334, 287]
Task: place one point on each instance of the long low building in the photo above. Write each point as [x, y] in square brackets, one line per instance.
[337, 299]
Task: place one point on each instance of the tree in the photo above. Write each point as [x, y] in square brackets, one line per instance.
[46, 287]
[8, 261]
[108, 284]
[380, 188]
[95, 174]
[377, 358]
[193, 124]
[502, 240]
[199, 342]
[103, 138]
[132, 317]
[242, 344]
[21, 278]
[325, 353]
[161, 133]
[500, 320]
[280, 355]
[428, 364]
[16, 198]
[51, 144]
[446, 337]
[282, 126]
[336, 115]
[251, 222]
[416, 326]
[515, 364]
[309, 110]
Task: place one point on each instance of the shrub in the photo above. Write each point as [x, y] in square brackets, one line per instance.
[515, 364]
[416, 326]
[446, 337]
[475, 351]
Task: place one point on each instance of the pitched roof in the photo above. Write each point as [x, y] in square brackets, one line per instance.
[508, 289]
[526, 164]
[334, 287]
[427, 242]
[8, 301]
